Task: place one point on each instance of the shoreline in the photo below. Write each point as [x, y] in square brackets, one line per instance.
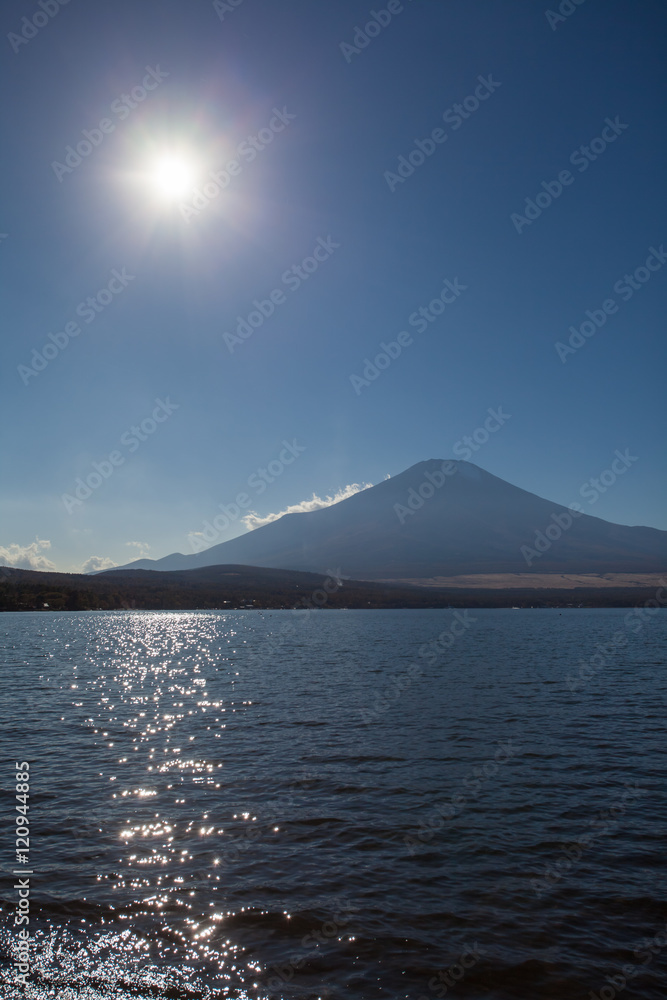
[243, 588]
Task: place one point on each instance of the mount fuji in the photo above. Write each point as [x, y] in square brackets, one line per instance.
[437, 519]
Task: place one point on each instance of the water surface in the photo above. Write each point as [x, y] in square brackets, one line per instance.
[322, 804]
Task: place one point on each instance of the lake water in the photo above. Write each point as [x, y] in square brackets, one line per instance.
[324, 804]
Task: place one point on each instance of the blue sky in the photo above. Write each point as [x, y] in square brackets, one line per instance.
[326, 179]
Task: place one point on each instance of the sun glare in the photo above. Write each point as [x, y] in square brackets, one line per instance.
[173, 177]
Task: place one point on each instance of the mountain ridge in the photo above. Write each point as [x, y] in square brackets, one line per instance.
[440, 517]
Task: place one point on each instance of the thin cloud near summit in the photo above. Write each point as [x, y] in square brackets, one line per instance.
[253, 520]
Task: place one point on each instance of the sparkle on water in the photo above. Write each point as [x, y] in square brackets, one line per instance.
[207, 794]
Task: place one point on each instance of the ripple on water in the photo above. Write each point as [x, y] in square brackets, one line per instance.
[230, 804]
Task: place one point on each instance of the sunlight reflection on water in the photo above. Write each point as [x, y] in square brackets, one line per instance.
[205, 816]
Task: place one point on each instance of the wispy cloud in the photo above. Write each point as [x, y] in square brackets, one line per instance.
[26, 556]
[253, 520]
[96, 563]
[143, 548]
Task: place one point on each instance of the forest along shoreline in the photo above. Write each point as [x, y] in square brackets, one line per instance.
[228, 588]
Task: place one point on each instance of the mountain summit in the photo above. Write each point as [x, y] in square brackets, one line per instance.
[438, 518]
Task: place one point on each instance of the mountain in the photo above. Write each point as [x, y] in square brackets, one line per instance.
[426, 523]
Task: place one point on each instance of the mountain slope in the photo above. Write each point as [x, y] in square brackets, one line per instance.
[473, 522]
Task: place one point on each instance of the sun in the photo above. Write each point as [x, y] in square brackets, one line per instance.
[173, 176]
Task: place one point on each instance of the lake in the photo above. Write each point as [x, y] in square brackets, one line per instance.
[360, 804]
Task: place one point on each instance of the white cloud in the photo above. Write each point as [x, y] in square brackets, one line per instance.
[97, 563]
[143, 548]
[26, 556]
[253, 520]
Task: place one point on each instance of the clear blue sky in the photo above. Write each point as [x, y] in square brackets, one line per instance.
[217, 79]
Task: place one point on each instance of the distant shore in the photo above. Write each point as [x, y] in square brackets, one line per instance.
[540, 581]
[227, 588]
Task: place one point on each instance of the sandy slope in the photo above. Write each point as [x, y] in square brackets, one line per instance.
[558, 581]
